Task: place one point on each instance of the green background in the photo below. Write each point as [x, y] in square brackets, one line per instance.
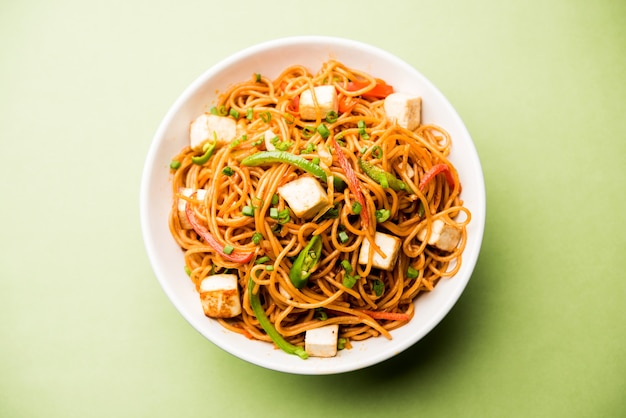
[85, 328]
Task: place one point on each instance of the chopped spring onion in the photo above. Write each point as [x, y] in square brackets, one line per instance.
[323, 130]
[378, 287]
[175, 165]
[377, 152]
[257, 77]
[228, 249]
[274, 199]
[349, 281]
[249, 113]
[219, 110]
[346, 266]
[308, 131]
[382, 215]
[248, 211]
[257, 237]
[356, 208]
[228, 171]
[234, 113]
[273, 213]
[411, 273]
[262, 260]
[331, 116]
[266, 116]
[343, 237]
[361, 125]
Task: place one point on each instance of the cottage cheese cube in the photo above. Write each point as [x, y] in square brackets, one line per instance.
[305, 196]
[389, 245]
[219, 295]
[326, 99]
[269, 135]
[404, 109]
[443, 236]
[182, 204]
[322, 342]
[207, 127]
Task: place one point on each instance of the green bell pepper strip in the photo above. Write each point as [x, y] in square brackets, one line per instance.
[271, 157]
[268, 327]
[306, 260]
[382, 177]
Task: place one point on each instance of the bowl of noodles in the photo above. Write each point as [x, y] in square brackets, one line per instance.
[312, 205]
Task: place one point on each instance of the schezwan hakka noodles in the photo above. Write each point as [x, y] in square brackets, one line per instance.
[313, 209]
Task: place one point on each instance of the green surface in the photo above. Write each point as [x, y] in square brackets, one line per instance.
[86, 331]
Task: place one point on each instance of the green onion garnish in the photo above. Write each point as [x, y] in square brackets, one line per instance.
[308, 131]
[175, 165]
[249, 113]
[257, 77]
[411, 273]
[266, 116]
[343, 237]
[331, 116]
[382, 215]
[248, 211]
[262, 260]
[356, 208]
[257, 237]
[228, 171]
[323, 130]
[273, 213]
[346, 266]
[378, 287]
[234, 113]
[228, 249]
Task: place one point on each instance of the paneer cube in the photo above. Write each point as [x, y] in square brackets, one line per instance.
[182, 204]
[305, 196]
[269, 136]
[404, 109]
[389, 245]
[326, 100]
[322, 342]
[219, 296]
[443, 236]
[209, 127]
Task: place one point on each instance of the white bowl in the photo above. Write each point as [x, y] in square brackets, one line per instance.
[269, 59]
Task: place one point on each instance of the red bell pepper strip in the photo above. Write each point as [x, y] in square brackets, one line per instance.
[379, 91]
[346, 104]
[294, 106]
[434, 170]
[353, 183]
[235, 256]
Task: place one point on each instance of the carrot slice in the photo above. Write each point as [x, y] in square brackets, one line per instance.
[235, 256]
[391, 316]
[353, 183]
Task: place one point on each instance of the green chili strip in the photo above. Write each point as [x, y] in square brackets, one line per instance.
[268, 327]
[305, 262]
[271, 157]
[208, 149]
[382, 177]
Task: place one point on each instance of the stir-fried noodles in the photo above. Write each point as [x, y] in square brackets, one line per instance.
[300, 207]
